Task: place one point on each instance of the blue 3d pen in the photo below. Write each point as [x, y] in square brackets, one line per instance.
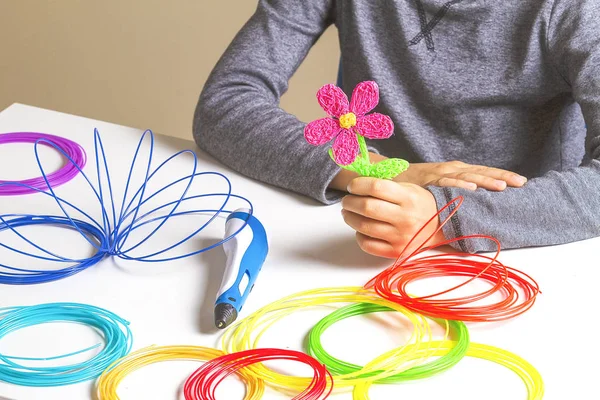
[246, 252]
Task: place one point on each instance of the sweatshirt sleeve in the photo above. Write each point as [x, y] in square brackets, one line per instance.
[559, 207]
[238, 119]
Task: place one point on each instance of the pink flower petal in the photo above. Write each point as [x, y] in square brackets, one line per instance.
[364, 98]
[345, 147]
[333, 100]
[321, 131]
[375, 126]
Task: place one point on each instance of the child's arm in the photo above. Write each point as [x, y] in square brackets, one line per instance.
[238, 119]
[557, 208]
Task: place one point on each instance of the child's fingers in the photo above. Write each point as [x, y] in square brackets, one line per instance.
[376, 247]
[399, 193]
[372, 208]
[380, 188]
[511, 178]
[471, 181]
[454, 182]
[371, 227]
[482, 181]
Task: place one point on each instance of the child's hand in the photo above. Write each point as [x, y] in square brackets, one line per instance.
[451, 174]
[387, 214]
[459, 174]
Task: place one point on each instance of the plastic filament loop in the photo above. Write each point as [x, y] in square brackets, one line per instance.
[68, 171]
[122, 228]
[113, 329]
[247, 333]
[202, 384]
[458, 332]
[114, 375]
[528, 374]
[515, 290]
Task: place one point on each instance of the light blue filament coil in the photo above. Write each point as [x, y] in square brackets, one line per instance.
[114, 330]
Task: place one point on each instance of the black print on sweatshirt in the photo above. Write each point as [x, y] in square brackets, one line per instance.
[428, 27]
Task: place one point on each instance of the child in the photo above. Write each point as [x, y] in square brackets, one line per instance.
[506, 84]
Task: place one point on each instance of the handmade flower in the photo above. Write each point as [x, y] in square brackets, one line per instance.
[347, 119]
[348, 125]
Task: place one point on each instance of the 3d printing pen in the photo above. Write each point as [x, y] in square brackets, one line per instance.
[246, 252]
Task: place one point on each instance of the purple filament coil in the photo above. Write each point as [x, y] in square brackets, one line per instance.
[68, 171]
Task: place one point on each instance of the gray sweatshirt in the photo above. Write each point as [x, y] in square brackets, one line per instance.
[511, 84]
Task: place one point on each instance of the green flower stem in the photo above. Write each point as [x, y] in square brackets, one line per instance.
[362, 144]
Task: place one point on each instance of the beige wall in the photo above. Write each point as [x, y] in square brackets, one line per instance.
[138, 63]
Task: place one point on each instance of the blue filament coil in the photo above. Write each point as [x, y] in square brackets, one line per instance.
[110, 235]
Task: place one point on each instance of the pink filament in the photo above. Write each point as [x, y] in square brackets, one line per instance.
[67, 172]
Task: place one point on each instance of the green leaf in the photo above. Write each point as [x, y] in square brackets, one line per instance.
[388, 169]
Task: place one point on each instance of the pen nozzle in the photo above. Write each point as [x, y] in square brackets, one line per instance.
[225, 314]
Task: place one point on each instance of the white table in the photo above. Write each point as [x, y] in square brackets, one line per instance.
[172, 303]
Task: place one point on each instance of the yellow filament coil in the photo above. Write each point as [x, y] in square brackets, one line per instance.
[247, 333]
[112, 377]
[528, 374]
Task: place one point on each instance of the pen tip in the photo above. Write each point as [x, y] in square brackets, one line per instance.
[225, 314]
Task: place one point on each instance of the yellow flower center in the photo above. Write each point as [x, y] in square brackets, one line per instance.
[348, 120]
